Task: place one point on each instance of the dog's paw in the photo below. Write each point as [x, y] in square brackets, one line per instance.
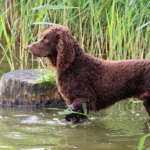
[73, 118]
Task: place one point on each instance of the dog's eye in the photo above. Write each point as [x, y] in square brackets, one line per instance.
[45, 39]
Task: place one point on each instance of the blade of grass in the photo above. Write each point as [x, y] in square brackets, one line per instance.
[11, 63]
[142, 140]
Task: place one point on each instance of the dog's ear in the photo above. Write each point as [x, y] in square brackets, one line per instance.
[65, 49]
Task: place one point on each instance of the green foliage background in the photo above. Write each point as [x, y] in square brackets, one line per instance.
[109, 29]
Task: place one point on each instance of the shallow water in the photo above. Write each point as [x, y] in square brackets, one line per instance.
[118, 128]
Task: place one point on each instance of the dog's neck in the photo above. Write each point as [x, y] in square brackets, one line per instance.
[53, 60]
[78, 49]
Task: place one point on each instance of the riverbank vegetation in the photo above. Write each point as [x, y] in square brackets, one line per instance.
[113, 30]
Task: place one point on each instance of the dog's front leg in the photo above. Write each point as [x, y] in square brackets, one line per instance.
[76, 106]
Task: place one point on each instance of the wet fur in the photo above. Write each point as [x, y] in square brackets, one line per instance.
[82, 78]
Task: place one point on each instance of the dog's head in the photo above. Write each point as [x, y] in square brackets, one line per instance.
[56, 44]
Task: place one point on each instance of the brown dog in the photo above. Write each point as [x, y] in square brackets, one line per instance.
[82, 78]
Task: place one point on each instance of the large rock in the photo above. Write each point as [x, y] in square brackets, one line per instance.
[19, 88]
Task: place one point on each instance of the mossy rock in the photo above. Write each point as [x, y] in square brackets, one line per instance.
[19, 88]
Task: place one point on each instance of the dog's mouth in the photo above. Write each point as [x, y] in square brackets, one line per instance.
[38, 52]
[30, 47]
[34, 54]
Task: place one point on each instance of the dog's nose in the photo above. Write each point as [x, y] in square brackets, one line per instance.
[30, 46]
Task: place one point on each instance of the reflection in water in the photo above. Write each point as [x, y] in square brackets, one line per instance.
[119, 127]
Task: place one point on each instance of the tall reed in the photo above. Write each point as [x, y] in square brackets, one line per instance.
[108, 29]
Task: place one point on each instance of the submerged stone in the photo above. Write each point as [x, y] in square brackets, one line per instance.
[19, 88]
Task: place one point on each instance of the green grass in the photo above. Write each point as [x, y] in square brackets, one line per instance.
[70, 111]
[47, 77]
[113, 30]
[142, 140]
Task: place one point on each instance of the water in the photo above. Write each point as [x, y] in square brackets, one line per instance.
[118, 128]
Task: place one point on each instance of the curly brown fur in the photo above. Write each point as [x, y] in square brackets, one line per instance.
[82, 78]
